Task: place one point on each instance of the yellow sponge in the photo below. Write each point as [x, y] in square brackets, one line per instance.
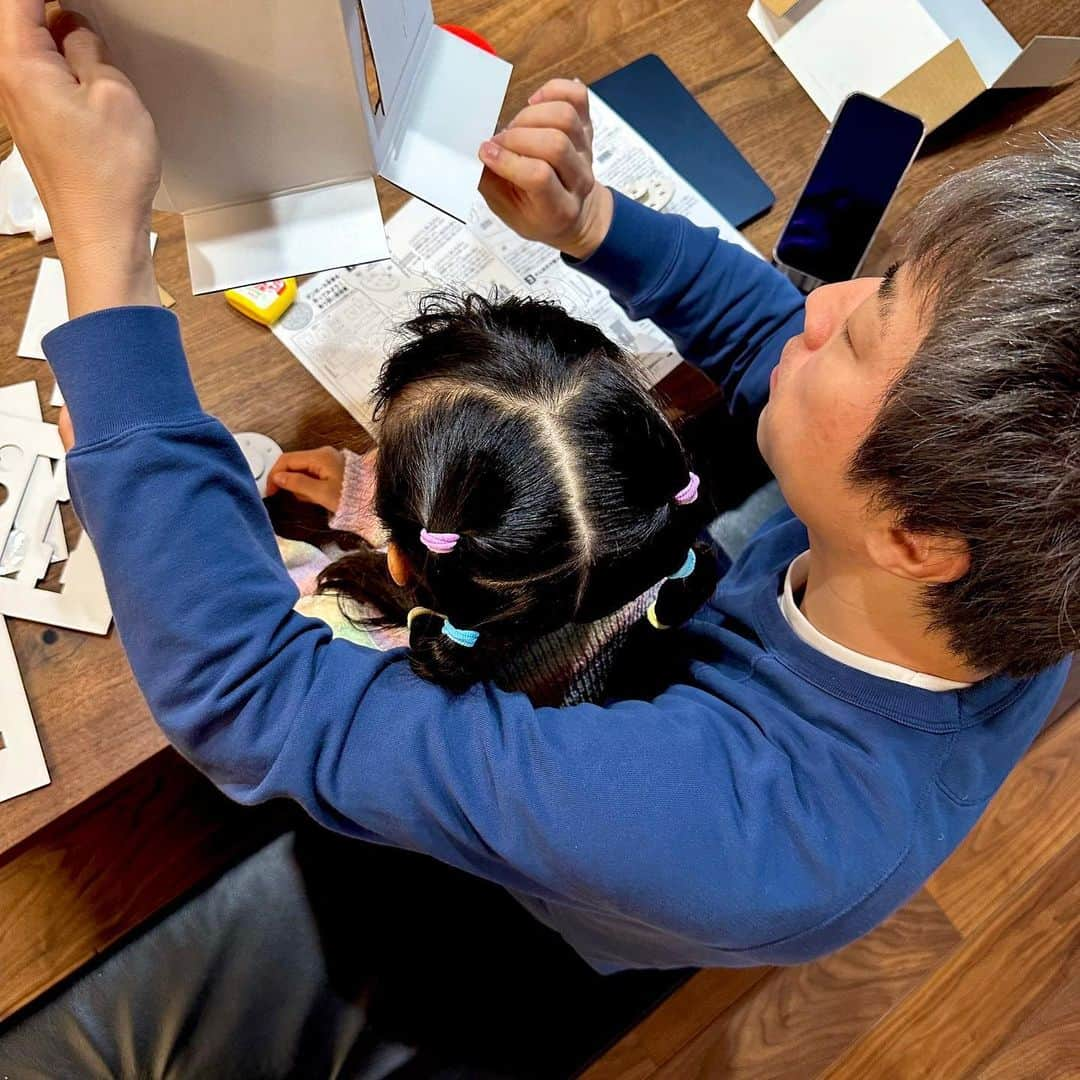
[264, 303]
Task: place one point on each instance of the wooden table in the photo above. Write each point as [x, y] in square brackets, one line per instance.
[125, 826]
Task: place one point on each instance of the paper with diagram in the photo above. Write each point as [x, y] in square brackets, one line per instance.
[343, 324]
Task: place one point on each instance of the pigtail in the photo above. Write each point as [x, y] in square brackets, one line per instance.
[680, 597]
[443, 658]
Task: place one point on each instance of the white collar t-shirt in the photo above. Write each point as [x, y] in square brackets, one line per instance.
[807, 632]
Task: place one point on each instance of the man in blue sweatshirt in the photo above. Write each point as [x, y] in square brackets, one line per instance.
[860, 684]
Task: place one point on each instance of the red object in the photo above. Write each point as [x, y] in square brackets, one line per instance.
[471, 36]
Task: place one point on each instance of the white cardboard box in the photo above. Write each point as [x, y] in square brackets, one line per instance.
[275, 116]
[930, 57]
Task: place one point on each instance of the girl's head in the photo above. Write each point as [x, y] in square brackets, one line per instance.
[526, 480]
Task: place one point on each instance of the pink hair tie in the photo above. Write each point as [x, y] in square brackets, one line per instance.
[689, 493]
[439, 543]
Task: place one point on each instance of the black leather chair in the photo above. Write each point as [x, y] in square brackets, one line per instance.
[322, 957]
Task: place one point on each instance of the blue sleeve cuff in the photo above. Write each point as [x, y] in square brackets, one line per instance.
[638, 252]
[122, 368]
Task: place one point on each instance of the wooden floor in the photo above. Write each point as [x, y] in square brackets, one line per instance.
[978, 976]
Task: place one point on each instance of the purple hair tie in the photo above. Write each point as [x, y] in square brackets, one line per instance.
[689, 493]
[439, 543]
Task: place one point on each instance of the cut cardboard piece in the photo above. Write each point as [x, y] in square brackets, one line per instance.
[38, 528]
[22, 442]
[271, 138]
[1046, 60]
[931, 57]
[82, 604]
[22, 764]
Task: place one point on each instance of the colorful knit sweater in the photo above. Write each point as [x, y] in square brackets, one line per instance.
[568, 666]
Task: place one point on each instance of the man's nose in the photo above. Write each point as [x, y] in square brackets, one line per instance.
[822, 306]
[828, 308]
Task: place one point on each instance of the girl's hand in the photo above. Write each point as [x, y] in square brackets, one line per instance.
[313, 476]
[91, 148]
[538, 176]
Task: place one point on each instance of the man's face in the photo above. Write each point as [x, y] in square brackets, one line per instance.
[826, 391]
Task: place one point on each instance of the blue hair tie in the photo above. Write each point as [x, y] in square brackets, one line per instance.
[465, 638]
[686, 569]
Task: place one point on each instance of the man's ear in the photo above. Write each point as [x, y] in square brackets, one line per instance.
[925, 558]
[397, 563]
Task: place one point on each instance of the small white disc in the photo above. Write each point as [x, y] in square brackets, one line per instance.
[260, 452]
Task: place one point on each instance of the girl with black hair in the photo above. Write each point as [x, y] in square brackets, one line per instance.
[534, 502]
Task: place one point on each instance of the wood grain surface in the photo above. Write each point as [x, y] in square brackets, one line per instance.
[56, 911]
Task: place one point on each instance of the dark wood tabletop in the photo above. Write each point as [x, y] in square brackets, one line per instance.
[98, 737]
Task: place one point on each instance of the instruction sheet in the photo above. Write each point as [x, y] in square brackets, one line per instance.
[344, 322]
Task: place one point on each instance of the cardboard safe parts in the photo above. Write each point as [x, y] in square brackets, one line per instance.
[274, 118]
[930, 57]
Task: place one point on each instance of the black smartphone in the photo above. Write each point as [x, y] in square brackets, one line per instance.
[865, 155]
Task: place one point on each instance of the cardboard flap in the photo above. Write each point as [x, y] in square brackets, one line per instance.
[940, 87]
[396, 31]
[453, 107]
[1045, 61]
[285, 235]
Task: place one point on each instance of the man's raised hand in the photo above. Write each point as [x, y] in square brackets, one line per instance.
[90, 146]
[538, 172]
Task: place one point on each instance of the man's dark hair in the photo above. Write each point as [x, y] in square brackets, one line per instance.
[531, 435]
[979, 436]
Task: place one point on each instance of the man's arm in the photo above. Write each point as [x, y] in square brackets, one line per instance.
[727, 311]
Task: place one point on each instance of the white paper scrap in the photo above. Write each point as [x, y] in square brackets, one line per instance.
[48, 306]
[20, 207]
[343, 323]
[48, 309]
[22, 763]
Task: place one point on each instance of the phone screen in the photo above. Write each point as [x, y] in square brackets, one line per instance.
[860, 167]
